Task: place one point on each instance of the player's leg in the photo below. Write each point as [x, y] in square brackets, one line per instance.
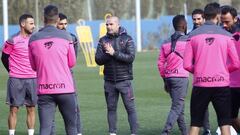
[198, 107]
[236, 124]
[111, 96]
[15, 99]
[79, 123]
[67, 107]
[46, 113]
[30, 119]
[178, 90]
[206, 125]
[235, 93]
[12, 119]
[222, 104]
[31, 102]
[125, 87]
[182, 124]
[194, 130]
[183, 84]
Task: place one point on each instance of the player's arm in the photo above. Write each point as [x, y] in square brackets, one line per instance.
[31, 57]
[5, 60]
[71, 55]
[188, 59]
[161, 67]
[75, 45]
[7, 49]
[232, 54]
[101, 57]
[127, 56]
[161, 62]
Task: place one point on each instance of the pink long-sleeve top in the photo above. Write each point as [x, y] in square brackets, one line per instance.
[170, 63]
[51, 55]
[208, 49]
[17, 49]
[235, 75]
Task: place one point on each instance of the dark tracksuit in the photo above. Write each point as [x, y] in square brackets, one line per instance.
[118, 76]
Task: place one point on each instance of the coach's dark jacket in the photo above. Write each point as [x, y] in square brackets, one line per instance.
[119, 66]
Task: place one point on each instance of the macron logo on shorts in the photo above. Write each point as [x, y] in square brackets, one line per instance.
[52, 86]
[48, 45]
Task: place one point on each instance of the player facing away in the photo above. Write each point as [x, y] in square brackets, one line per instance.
[231, 23]
[62, 25]
[210, 56]
[170, 66]
[198, 20]
[21, 86]
[51, 55]
[116, 51]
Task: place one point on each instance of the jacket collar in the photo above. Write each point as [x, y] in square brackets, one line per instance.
[179, 33]
[209, 23]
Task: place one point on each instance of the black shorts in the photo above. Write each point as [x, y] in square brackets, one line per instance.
[235, 92]
[221, 100]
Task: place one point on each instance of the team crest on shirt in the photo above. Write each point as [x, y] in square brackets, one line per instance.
[209, 40]
[48, 45]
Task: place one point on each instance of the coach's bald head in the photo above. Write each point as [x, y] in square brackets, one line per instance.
[112, 24]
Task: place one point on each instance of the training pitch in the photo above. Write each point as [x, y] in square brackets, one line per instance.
[152, 102]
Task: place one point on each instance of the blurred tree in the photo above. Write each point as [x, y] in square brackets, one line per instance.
[225, 2]
[121, 8]
[125, 9]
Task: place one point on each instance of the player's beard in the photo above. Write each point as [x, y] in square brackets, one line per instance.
[29, 32]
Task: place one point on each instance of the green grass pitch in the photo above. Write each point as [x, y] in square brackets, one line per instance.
[151, 100]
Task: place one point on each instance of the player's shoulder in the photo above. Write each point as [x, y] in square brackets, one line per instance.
[64, 34]
[74, 37]
[12, 39]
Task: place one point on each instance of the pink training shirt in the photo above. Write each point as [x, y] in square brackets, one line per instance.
[19, 64]
[169, 63]
[52, 55]
[235, 75]
[208, 49]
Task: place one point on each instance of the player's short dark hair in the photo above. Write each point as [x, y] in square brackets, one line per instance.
[198, 11]
[50, 13]
[24, 17]
[211, 10]
[62, 16]
[177, 20]
[229, 9]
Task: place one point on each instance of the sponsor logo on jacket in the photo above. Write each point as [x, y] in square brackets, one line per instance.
[171, 71]
[210, 79]
[52, 86]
